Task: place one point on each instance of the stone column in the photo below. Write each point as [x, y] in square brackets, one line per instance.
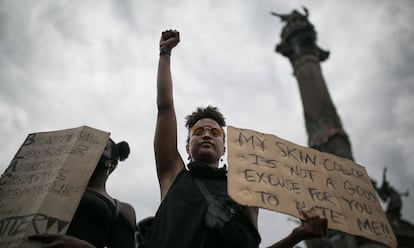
[323, 124]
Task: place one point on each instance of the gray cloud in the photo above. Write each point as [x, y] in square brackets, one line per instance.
[66, 64]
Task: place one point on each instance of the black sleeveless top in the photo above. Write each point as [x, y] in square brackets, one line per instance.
[98, 221]
[180, 218]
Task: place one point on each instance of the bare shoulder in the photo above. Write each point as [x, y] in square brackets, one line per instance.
[128, 211]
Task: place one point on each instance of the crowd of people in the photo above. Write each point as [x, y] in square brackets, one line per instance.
[195, 210]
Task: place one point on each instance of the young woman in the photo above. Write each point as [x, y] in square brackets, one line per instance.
[100, 220]
[185, 218]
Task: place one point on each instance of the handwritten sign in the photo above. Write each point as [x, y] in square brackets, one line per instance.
[42, 187]
[272, 173]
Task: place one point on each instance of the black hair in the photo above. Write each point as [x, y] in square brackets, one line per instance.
[123, 150]
[209, 112]
[120, 151]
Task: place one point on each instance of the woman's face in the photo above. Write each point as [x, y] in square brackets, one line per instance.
[107, 153]
[206, 142]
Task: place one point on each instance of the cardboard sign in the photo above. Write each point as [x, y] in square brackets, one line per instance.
[269, 172]
[44, 183]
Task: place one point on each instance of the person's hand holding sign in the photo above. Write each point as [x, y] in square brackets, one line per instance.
[312, 226]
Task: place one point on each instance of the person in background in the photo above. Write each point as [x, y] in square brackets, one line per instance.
[194, 200]
[100, 220]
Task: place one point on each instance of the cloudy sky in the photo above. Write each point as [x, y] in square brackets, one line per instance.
[64, 64]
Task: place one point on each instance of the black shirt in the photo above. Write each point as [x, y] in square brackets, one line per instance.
[98, 221]
[180, 218]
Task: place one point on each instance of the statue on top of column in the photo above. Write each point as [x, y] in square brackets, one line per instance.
[298, 36]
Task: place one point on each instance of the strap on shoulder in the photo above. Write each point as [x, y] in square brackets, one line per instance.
[116, 214]
[203, 188]
[114, 218]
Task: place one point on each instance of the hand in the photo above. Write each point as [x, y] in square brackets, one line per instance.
[169, 39]
[312, 226]
[60, 241]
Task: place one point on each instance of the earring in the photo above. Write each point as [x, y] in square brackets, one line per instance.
[224, 165]
[108, 169]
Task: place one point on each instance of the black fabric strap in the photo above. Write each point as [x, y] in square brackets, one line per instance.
[203, 188]
[116, 212]
[114, 218]
[206, 194]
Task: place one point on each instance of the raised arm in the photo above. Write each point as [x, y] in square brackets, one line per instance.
[312, 226]
[167, 158]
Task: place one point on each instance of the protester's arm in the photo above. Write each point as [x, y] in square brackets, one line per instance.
[60, 241]
[167, 157]
[312, 226]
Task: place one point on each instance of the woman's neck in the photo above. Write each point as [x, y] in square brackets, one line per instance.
[209, 164]
[98, 183]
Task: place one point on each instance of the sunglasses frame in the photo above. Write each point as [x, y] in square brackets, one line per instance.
[216, 133]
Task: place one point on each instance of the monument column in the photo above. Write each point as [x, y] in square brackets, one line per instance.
[323, 124]
[324, 127]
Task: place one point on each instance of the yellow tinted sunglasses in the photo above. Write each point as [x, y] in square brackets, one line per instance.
[199, 130]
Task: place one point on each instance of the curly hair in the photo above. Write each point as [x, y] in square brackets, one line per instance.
[209, 112]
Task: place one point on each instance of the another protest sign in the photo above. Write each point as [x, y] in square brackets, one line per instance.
[42, 187]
